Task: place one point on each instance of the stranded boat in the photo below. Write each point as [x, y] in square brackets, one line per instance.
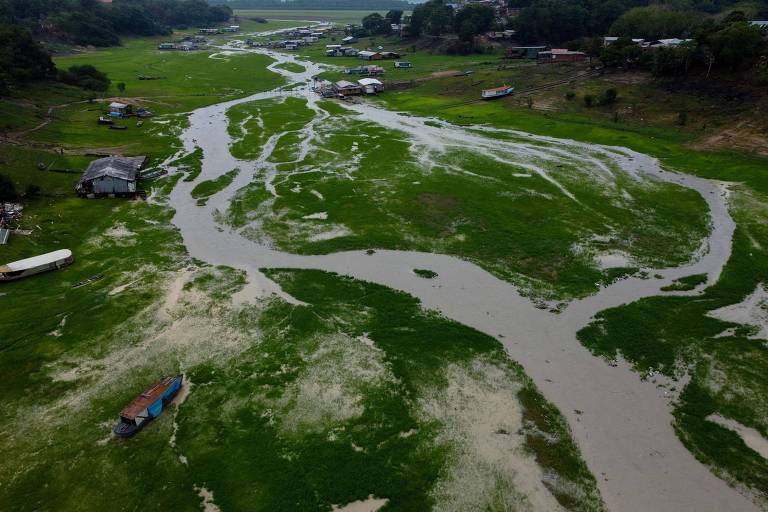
[36, 264]
[498, 92]
[147, 406]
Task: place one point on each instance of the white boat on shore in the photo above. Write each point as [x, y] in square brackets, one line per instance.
[36, 265]
[497, 92]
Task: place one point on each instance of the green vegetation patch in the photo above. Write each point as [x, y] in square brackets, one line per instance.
[191, 164]
[364, 387]
[252, 124]
[425, 273]
[686, 283]
[292, 67]
[362, 185]
[207, 188]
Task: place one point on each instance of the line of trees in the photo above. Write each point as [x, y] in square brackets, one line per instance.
[23, 60]
[435, 18]
[733, 45]
[89, 22]
[559, 21]
[350, 5]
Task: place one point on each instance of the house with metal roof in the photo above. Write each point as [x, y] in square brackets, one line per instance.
[370, 85]
[112, 176]
[367, 55]
[117, 109]
[345, 88]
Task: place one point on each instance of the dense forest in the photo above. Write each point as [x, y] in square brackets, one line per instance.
[719, 35]
[88, 22]
[25, 23]
[557, 21]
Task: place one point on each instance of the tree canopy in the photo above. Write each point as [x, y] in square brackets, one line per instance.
[88, 22]
[21, 58]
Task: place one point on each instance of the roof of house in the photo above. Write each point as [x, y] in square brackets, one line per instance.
[124, 168]
[36, 261]
[366, 53]
[116, 104]
[669, 42]
[368, 81]
[760, 23]
[343, 84]
[563, 51]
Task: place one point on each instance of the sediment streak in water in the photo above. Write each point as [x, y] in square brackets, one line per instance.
[623, 426]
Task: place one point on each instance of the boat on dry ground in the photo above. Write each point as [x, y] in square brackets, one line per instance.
[36, 265]
[148, 405]
[497, 92]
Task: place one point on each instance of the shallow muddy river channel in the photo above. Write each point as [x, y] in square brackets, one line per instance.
[621, 422]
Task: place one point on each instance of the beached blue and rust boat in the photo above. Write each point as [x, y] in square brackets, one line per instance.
[148, 405]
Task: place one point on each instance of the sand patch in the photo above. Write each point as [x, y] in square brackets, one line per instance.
[335, 232]
[329, 389]
[179, 399]
[316, 216]
[121, 288]
[56, 333]
[370, 505]
[488, 467]
[750, 436]
[613, 260]
[208, 504]
[120, 233]
[752, 311]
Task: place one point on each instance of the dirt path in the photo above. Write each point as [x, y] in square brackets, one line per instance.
[623, 426]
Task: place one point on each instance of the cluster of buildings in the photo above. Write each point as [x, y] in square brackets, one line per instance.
[337, 50]
[231, 29]
[345, 88]
[366, 70]
[186, 45]
[302, 37]
[655, 43]
[544, 54]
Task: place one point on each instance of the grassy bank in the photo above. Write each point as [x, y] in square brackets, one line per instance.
[671, 335]
[367, 187]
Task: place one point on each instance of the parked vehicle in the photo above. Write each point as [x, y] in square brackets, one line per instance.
[148, 405]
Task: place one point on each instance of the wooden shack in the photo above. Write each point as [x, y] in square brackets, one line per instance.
[114, 176]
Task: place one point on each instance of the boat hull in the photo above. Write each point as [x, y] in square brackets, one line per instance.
[494, 94]
[130, 426]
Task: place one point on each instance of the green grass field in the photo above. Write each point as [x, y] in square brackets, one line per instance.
[366, 188]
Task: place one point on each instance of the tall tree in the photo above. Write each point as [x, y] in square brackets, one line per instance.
[472, 20]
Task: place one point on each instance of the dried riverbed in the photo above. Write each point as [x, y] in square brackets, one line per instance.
[621, 422]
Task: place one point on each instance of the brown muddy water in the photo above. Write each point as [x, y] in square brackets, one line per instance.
[621, 422]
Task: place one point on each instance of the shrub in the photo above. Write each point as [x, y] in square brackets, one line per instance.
[589, 100]
[608, 97]
[7, 189]
[85, 76]
[570, 95]
[31, 190]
